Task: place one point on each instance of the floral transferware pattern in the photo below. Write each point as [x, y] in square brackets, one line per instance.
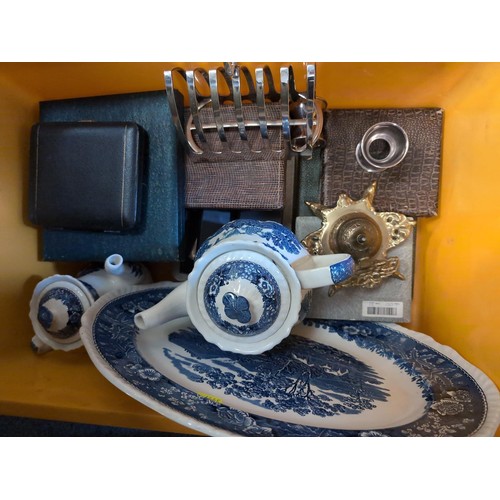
[272, 234]
[70, 301]
[455, 403]
[299, 375]
[237, 306]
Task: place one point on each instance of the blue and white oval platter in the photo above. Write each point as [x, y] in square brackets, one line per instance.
[329, 378]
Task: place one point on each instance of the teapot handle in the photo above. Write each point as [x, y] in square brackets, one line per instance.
[173, 306]
[324, 270]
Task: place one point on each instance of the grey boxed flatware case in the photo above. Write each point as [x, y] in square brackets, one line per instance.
[159, 234]
[86, 175]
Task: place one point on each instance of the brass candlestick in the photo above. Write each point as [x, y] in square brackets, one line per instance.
[354, 227]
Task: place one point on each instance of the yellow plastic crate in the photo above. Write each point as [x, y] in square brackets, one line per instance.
[457, 280]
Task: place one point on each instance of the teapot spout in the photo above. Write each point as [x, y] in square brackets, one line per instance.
[134, 274]
[114, 264]
[173, 306]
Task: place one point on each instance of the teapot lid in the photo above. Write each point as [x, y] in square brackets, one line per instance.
[243, 295]
[56, 308]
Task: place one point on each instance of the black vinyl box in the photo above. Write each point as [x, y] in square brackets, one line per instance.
[86, 175]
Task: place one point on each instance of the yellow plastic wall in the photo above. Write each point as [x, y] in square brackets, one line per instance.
[457, 290]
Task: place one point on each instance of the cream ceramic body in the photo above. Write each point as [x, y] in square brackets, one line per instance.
[250, 285]
[58, 302]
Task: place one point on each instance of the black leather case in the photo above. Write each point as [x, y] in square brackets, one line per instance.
[86, 175]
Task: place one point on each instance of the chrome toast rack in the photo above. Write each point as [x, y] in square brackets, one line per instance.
[232, 111]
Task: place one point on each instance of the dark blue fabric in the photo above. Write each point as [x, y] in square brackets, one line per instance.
[32, 427]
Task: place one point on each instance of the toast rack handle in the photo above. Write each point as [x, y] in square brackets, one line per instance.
[301, 120]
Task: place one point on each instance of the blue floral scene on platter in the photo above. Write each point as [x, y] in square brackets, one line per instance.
[299, 375]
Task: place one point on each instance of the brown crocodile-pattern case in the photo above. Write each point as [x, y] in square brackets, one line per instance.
[410, 188]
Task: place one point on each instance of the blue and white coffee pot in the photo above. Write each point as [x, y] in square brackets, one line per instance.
[251, 283]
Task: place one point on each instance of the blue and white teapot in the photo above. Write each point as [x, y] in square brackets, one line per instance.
[251, 283]
[59, 301]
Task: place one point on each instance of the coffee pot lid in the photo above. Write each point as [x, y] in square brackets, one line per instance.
[243, 296]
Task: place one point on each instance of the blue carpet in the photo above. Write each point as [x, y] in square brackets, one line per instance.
[32, 427]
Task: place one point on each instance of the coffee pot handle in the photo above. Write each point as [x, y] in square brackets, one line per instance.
[324, 270]
[173, 306]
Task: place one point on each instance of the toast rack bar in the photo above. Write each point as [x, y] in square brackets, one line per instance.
[253, 123]
[301, 119]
